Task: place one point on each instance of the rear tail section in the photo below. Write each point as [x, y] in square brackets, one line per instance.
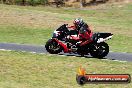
[101, 37]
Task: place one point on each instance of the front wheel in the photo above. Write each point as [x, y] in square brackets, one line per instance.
[99, 50]
[53, 47]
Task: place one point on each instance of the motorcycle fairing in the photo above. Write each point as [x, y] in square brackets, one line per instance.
[66, 50]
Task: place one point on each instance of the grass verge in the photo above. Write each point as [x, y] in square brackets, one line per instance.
[26, 70]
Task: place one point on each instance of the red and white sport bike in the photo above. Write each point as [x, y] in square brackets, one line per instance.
[59, 42]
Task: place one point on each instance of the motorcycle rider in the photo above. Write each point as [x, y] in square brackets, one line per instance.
[84, 32]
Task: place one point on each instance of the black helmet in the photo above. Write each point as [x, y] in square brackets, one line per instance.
[78, 22]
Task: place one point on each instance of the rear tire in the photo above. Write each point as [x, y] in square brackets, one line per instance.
[49, 47]
[102, 51]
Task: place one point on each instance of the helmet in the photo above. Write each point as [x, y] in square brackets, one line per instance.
[78, 22]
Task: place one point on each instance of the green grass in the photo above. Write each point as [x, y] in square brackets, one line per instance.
[121, 43]
[34, 25]
[25, 70]
[24, 35]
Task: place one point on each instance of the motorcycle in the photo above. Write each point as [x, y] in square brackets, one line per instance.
[98, 48]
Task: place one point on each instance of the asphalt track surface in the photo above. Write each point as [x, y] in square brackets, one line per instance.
[41, 49]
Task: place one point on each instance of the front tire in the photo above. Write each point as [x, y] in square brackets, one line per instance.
[99, 50]
[53, 47]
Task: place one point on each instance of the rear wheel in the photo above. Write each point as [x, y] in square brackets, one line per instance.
[53, 47]
[99, 50]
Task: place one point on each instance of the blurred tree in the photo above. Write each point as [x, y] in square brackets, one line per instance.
[82, 3]
[59, 3]
[10, 2]
[23, 2]
[3, 1]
